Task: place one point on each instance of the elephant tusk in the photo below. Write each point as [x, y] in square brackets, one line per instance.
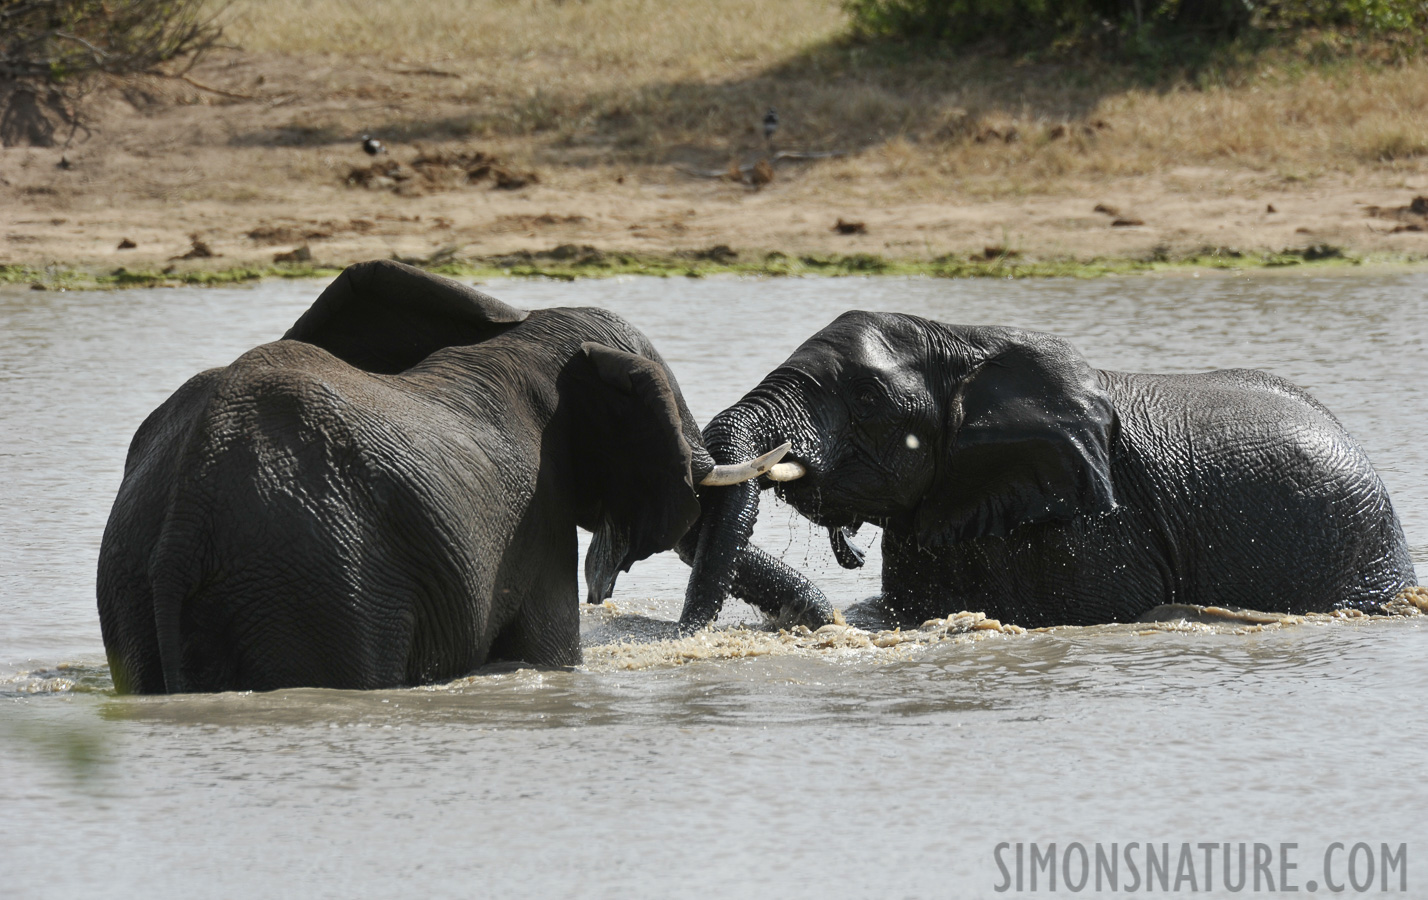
[789, 471]
[738, 473]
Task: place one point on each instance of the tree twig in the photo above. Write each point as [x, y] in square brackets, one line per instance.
[99, 55]
[208, 87]
[435, 73]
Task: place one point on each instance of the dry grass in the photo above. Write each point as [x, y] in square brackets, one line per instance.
[614, 102]
[571, 41]
[653, 82]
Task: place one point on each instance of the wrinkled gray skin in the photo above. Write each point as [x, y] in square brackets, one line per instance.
[1012, 478]
[389, 495]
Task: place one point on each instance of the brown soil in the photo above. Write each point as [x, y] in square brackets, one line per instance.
[271, 161]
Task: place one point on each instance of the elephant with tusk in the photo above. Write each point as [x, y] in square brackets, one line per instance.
[1011, 478]
[390, 494]
[765, 464]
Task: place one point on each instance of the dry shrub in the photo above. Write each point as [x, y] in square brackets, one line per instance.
[49, 49]
[59, 40]
[1391, 142]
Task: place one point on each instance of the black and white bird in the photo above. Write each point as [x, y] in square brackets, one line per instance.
[770, 125]
[372, 147]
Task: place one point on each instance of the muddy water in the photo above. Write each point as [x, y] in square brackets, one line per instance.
[750, 764]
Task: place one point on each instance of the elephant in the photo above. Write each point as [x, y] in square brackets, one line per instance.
[1011, 478]
[389, 494]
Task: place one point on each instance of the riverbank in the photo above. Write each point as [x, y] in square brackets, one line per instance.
[568, 262]
[574, 140]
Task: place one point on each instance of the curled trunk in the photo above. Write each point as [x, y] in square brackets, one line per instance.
[722, 559]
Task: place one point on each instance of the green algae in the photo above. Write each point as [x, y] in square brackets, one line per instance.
[569, 262]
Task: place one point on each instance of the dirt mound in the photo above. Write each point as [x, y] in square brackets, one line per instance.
[276, 234]
[437, 170]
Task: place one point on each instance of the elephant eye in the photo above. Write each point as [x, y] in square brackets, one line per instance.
[865, 399]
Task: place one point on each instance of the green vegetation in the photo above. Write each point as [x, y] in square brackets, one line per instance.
[66, 278]
[1127, 24]
[568, 263]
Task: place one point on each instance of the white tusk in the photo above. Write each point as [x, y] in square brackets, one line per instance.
[789, 471]
[738, 473]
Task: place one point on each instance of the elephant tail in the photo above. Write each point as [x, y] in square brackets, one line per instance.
[181, 576]
[172, 581]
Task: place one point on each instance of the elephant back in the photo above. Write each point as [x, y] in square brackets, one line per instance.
[1251, 471]
[384, 316]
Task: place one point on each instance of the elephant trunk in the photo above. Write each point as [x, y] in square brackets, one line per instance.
[727, 521]
[719, 552]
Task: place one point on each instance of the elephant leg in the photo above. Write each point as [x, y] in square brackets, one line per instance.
[131, 643]
[543, 628]
[542, 634]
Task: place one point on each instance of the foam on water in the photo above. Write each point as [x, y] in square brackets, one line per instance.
[620, 640]
[63, 678]
[631, 641]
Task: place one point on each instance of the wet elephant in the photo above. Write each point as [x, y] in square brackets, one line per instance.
[390, 494]
[1010, 477]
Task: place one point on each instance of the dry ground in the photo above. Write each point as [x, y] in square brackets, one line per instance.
[623, 109]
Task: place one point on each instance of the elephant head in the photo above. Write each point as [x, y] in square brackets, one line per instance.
[637, 482]
[934, 432]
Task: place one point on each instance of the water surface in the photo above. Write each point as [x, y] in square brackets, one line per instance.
[838, 775]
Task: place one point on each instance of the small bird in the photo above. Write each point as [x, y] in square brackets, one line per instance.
[372, 147]
[770, 126]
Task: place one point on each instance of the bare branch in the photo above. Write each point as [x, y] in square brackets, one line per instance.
[99, 55]
[64, 41]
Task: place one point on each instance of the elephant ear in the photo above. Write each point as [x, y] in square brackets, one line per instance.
[1029, 441]
[632, 462]
[384, 316]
